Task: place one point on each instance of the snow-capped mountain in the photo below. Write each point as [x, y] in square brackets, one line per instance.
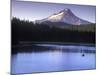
[65, 16]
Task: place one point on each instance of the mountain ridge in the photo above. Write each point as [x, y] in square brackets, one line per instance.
[64, 16]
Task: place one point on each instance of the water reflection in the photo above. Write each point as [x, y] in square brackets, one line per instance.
[53, 58]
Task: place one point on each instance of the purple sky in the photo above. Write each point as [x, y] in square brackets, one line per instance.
[36, 10]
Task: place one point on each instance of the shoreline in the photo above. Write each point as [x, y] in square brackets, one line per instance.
[27, 43]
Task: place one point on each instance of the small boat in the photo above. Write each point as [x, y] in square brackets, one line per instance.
[83, 54]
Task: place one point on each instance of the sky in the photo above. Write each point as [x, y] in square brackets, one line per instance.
[39, 10]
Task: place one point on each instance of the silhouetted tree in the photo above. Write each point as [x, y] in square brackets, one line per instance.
[28, 31]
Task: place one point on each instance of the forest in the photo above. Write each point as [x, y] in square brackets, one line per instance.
[24, 30]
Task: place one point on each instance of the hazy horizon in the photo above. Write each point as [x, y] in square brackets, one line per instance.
[39, 10]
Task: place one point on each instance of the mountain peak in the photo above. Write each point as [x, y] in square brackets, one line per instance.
[66, 9]
[65, 16]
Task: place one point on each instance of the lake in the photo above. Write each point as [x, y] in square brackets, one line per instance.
[53, 57]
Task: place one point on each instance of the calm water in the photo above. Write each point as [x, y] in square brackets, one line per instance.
[55, 58]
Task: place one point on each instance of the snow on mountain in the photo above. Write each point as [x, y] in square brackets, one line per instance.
[64, 16]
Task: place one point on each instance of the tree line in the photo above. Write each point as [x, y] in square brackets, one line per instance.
[23, 30]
